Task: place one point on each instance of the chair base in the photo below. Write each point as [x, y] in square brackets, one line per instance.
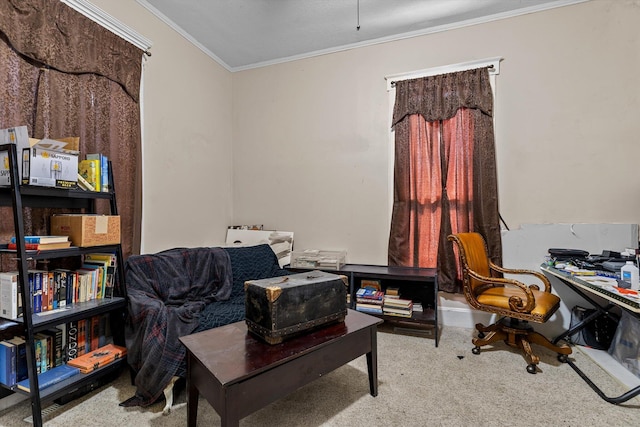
[519, 334]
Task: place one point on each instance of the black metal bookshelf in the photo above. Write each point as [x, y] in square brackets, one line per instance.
[19, 196]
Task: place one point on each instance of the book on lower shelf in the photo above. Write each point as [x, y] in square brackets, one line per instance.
[367, 309]
[22, 371]
[50, 377]
[400, 312]
[8, 358]
[369, 293]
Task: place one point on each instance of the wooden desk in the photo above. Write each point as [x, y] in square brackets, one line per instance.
[588, 291]
[239, 373]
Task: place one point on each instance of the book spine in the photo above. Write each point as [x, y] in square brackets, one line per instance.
[72, 340]
[6, 368]
[95, 333]
[62, 289]
[38, 350]
[27, 246]
[22, 372]
[69, 291]
[102, 330]
[104, 172]
[58, 359]
[9, 295]
[37, 291]
[44, 285]
[13, 376]
[53, 296]
[44, 360]
[27, 239]
[82, 337]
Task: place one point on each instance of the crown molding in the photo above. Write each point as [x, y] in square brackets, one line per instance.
[110, 23]
[441, 28]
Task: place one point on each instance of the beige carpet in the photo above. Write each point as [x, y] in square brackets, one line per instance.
[419, 385]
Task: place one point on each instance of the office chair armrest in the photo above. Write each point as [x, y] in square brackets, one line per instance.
[545, 281]
[516, 303]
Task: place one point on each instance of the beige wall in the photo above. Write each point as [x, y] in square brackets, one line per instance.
[187, 136]
[311, 144]
[305, 144]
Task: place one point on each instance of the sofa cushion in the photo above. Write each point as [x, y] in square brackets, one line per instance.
[251, 263]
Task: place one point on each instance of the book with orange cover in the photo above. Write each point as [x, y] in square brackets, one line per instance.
[91, 361]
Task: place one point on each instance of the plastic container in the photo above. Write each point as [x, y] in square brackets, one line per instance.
[629, 274]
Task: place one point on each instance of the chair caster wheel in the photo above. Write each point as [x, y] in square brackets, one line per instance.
[562, 358]
[532, 369]
[480, 335]
[475, 350]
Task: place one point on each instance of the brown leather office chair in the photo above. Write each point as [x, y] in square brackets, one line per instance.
[515, 302]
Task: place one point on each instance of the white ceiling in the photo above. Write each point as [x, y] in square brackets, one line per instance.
[243, 34]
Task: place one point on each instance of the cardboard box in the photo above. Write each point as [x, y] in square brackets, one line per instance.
[87, 230]
[43, 162]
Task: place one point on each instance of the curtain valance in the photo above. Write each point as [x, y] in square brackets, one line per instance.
[59, 37]
[439, 97]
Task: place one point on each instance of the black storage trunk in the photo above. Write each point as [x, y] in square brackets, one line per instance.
[280, 307]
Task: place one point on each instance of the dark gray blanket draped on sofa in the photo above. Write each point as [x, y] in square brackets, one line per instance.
[165, 304]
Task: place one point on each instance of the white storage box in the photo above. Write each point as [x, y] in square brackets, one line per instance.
[43, 162]
[17, 135]
[51, 163]
[317, 259]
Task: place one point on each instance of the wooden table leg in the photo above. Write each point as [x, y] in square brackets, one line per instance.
[372, 363]
[192, 398]
[229, 416]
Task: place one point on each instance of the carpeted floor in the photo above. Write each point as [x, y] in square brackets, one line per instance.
[419, 385]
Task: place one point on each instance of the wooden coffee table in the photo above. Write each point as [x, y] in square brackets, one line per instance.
[238, 373]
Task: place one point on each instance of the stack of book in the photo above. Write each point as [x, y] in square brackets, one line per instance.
[93, 173]
[396, 306]
[41, 243]
[369, 300]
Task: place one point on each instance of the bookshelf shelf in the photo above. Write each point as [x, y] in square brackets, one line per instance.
[31, 323]
[79, 380]
[47, 319]
[415, 283]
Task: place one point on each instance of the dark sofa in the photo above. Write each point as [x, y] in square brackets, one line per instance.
[182, 291]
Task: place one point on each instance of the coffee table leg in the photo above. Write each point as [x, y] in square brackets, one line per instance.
[192, 399]
[229, 415]
[372, 363]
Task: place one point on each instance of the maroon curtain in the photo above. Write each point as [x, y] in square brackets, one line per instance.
[64, 75]
[444, 175]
